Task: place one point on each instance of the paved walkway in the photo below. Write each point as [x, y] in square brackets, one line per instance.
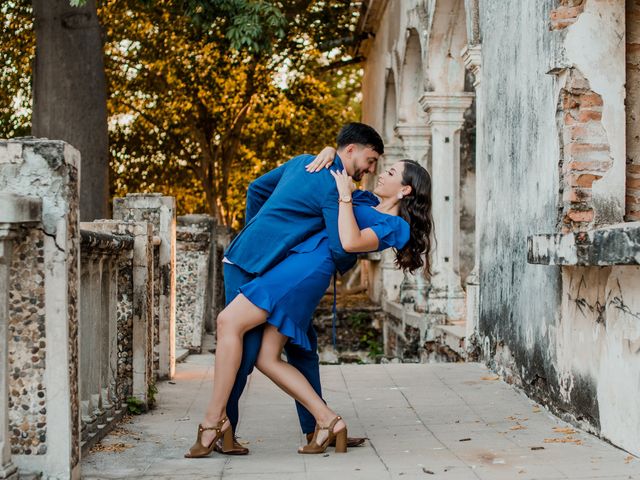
[445, 421]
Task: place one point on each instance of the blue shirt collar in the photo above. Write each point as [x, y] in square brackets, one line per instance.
[337, 162]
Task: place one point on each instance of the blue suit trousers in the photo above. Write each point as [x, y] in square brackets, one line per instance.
[307, 362]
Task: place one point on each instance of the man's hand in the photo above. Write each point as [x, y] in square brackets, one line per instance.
[323, 160]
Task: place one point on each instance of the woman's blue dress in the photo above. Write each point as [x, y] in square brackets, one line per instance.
[291, 291]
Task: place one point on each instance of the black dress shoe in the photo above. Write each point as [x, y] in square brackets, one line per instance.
[237, 449]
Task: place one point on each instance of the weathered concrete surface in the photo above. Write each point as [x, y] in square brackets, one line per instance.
[615, 245]
[568, 335]
[445, 421]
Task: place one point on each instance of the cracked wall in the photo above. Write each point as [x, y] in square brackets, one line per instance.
[557, 156]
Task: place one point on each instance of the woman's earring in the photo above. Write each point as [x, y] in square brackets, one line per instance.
[400, 195]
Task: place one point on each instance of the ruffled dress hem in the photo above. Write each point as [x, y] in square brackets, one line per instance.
[276, 316]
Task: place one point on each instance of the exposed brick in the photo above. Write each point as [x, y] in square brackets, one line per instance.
[633, 168]
[569, 119]
[583, 179]
[570, 101]
[588, 115]
[571, 3]
[560, 24]
[566, 13]
[576, 195]
[583, 133]
[577, 148]
[580, 215]
[633, 182]
[594, 165]
[590, 99]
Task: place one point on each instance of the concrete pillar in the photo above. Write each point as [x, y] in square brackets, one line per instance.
[14, 213]
[391, 277]
[160, 212]
[194, 277]
[416, 142]
[445, 113]
[49, 170]
[472, 57]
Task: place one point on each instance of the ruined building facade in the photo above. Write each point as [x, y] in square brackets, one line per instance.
[525, 115]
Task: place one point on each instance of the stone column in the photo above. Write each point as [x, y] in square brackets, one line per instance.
[194, 279]
[49, 170]
[416, 141]
[472, 57]
[391, 276]
[445, 112]
[14, 212]
[160, 212]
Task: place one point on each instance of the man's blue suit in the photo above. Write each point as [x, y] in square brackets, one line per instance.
[284, 207]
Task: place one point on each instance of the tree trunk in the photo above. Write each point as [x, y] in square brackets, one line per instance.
[70, 94]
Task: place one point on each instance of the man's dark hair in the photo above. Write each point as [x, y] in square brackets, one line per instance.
[362, 134]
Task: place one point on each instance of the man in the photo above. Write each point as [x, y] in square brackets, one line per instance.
[284, 207]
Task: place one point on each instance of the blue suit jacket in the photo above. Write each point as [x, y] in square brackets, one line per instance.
[286, 206]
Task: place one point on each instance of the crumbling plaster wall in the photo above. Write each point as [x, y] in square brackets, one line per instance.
[569, 336]
[518, 302]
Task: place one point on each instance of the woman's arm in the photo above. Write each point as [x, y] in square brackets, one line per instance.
[352, 238]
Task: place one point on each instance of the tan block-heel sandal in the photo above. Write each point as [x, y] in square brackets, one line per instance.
[198, 450]
[340, 437]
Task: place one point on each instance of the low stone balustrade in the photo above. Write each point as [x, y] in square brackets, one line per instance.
[194, 277]
[39, 284]
[78, 307]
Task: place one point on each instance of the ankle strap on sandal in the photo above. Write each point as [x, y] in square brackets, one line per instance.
[217, 427]
[331, 425]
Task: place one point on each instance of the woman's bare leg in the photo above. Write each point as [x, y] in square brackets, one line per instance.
[289, 379]
[233, 322]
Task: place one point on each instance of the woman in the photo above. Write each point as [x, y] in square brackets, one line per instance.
[286, 296]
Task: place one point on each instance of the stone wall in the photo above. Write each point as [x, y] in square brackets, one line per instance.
[27, 347]
[160, 212]
[563, 327]
[194, 277]
[43, 310]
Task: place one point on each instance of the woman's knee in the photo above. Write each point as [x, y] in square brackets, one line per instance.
[224, 323]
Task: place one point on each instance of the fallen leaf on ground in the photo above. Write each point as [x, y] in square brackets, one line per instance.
[518, 427]
[493, 377]
[427, 471]
[566, 430]
[629, 459]
[112, 447]
[537, 448]
[536, 409]
[568, 439]
[512, 418]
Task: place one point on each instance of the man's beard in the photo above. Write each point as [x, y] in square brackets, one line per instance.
[357, 175]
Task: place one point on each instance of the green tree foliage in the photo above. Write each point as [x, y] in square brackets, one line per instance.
[205, 95]
[17, 48]
[198, 115]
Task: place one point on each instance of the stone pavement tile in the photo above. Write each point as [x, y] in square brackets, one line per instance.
[414, 416]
